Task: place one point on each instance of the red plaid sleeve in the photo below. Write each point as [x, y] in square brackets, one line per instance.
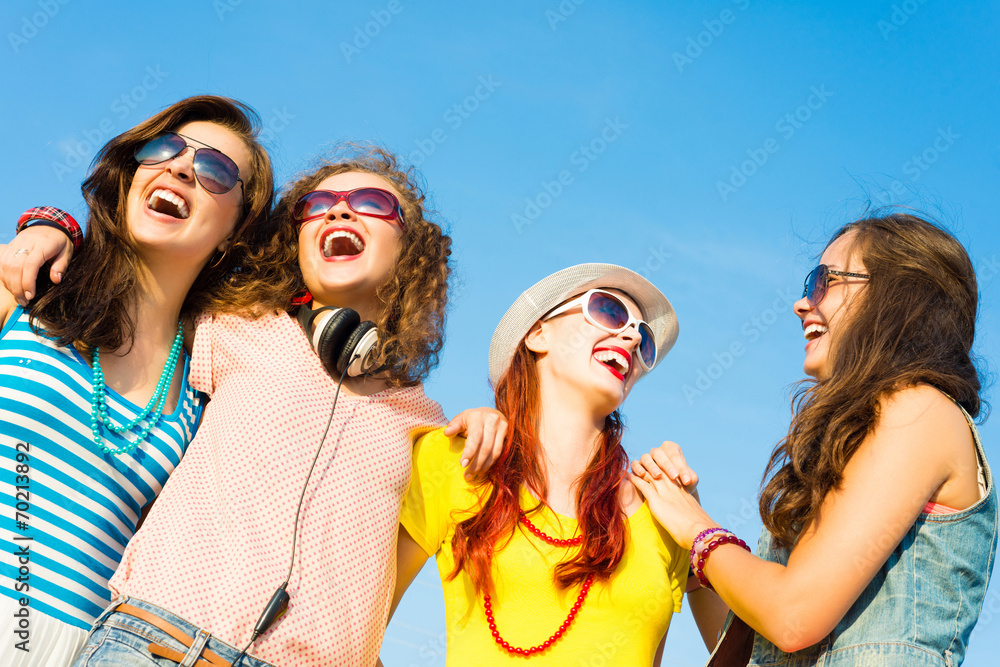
[49, 215]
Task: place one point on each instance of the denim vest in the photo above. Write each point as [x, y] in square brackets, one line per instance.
[921, 606]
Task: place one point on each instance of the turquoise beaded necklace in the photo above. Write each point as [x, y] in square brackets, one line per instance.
[152, 412]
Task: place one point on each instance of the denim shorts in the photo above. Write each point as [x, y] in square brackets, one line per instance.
[122, 639]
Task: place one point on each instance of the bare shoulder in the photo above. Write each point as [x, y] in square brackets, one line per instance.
[924, 420]
[920, 404]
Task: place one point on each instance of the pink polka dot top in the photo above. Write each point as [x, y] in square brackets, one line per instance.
[218, 540]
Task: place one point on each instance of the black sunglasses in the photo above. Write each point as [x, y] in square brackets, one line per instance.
[215, 170]
[819, 279]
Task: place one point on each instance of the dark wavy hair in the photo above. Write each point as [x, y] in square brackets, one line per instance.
[92, 304]
[414, 297]
[913, 322]
[602, 522]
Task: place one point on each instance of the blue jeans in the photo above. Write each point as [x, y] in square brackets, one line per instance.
[122, 639]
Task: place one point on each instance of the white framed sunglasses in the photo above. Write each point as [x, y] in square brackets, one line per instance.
[609, 313]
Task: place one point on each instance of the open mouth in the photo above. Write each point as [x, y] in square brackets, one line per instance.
[814, 331]
[341, 243]
[168, 203]
[614, 359]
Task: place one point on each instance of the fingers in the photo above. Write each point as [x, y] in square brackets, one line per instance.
[651, 465]
[456, 426]
[661, 488]
[465, 423]
[19, 266]
[485, 430]
[644, 487]
[30, 267]
[472, 444]
[666, 460]
[640, 470]
[670, 459]
[59, 264]
[494, 431]
[23, 258]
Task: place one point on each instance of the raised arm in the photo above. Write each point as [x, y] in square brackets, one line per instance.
[921, 443]
[23, 258]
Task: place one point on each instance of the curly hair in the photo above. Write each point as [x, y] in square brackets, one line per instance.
[914, 322]
[414, 297]
[92, 305]
[602, 522]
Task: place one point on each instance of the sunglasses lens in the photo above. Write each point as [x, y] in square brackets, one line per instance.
[647, 345]
[160, 149]
[216, 172]
[613, 315]
[372, 201]
[608, 311]
[815, 288]
[313, 204]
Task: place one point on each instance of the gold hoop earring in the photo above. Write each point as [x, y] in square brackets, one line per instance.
[219, 260]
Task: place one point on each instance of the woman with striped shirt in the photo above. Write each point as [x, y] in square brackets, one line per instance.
[171, 203]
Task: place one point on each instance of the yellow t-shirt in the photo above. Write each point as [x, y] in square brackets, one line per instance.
[620, 623]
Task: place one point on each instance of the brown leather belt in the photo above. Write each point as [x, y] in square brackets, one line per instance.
[208, 658]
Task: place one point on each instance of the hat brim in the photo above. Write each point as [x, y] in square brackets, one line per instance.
[552, 290]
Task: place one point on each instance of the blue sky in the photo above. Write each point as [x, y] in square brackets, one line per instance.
[712, 146]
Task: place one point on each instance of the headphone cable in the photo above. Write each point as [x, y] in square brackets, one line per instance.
[278, 603]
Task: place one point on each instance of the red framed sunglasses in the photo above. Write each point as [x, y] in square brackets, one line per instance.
[374, 202]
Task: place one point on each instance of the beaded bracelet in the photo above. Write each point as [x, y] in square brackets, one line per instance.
[52, 217]
[704, 533]
[692, 577]
[703, 538]
[699, 566]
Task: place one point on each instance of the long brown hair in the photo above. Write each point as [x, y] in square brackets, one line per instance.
[92, 304]
[601, 520]
[913, 322]
[414, 297]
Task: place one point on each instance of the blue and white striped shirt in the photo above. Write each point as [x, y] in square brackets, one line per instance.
[68, 508]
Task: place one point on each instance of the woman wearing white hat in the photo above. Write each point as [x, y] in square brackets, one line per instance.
[554, 555]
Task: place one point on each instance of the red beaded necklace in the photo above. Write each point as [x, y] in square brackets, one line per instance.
[488, 606]
[572, 542]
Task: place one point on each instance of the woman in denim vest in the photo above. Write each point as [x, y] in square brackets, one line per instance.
[879, 511]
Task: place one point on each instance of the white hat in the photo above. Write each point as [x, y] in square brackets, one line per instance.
[549, 292]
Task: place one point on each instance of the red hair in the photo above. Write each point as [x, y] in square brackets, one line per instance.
[601, 519]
